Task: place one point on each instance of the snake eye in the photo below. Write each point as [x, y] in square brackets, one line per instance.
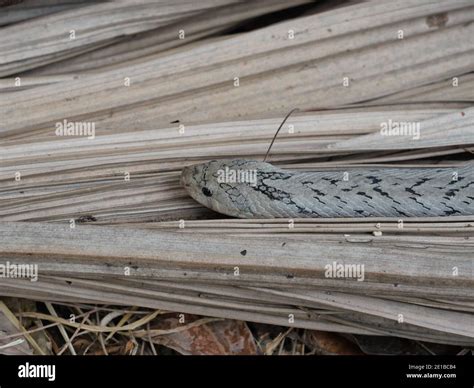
[206, 192]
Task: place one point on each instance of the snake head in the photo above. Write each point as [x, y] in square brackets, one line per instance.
[223, 185]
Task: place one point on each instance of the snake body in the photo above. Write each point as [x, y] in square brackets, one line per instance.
[357, 192]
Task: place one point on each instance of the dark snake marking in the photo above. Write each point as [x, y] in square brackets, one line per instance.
[275, 194]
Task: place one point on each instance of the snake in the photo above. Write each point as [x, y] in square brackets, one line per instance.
[251, 189]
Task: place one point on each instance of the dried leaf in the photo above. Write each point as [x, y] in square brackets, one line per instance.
[328, 343]
[224, 337]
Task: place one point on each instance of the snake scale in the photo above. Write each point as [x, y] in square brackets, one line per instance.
[271, 192]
